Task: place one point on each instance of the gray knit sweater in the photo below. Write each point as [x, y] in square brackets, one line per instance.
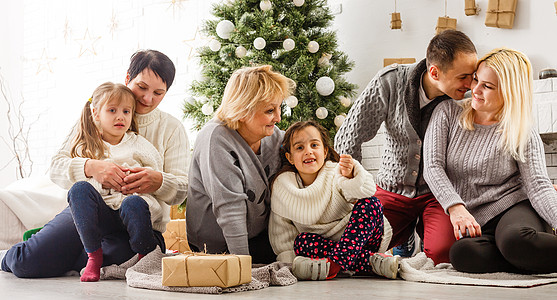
[392, 97]
[470, 167]
[228, 193]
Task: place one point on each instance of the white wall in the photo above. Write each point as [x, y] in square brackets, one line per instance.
[364, 33]
[56, 91]
[11, 49]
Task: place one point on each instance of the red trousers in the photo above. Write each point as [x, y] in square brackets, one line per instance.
[434, 226]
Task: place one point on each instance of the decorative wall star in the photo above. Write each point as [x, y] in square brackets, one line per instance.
[87, 43]
[113, 25]
[44, 62]
[67, 30]
[176, 5]
[197, 41]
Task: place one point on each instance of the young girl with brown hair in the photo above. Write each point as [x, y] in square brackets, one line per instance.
[323, 216]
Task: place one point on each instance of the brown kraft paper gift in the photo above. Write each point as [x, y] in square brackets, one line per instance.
[470, 7]
[396, 22]
[444, 23]
[500, 13]
[400, 61]
[175, 236]
[199, 269]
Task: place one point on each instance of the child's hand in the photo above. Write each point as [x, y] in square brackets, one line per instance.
[346, 166]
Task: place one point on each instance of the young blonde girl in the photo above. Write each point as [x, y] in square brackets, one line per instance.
[323, 216]
[107, 132]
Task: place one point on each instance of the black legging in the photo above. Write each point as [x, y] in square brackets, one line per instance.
[517, 241]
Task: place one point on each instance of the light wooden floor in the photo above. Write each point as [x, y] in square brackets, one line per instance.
[12, 287]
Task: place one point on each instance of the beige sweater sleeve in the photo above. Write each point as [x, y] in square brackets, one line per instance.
[282, 234]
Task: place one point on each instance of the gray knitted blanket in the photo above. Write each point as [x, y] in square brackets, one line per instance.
[147, 274]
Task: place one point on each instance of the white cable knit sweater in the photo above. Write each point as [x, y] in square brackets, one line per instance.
[324, 207]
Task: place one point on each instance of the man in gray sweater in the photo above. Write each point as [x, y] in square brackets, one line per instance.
[403, 97]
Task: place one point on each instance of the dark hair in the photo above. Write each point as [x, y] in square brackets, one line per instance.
[444, 47]
[155, 61]
[286, 166]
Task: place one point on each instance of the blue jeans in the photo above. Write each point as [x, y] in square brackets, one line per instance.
[94, 219]
[57, 249]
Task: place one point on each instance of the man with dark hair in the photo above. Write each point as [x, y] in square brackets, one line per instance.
[403, 97]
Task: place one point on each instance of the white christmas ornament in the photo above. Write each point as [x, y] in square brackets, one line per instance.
[344, 101]
[291, 101]
[288, 44]
[298, 2]
[241, 51]
[224, 28]
[325, 86]
[265, 5]
[313, 46]
[259, 43]
[207, 109]
[321, 113]
[214, 45]
[339, 120]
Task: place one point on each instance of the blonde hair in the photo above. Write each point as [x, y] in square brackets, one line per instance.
[88, 142]
[514, 72]
[248, 88]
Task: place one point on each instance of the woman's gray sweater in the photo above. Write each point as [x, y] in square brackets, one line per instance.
[470, 167]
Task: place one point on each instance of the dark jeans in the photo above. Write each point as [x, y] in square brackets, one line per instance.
[259, 248]
[57, 249]
[94, 219]
[517, 241]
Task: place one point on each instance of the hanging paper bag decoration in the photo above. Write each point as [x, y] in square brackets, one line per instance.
[470, 8]
[500, 13]
[396, 22]
[444, 23]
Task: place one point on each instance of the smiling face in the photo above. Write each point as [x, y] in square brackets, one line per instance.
[261, 123]
[149, 89]
[307, 153]
[456, 80]
[486, 95]
[114, 118]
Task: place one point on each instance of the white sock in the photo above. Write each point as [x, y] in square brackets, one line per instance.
[2, 254]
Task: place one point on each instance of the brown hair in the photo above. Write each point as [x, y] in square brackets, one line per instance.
[248, 88]
[88, 142]
[444, 47]
[286, 166]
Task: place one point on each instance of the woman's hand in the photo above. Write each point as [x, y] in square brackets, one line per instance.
[108, 174]
[346, 166]
[462, 220]
[142, 180]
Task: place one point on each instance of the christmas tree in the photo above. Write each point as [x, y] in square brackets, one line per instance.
[292, 36]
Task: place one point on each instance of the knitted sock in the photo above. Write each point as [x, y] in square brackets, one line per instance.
[334, 268]
[92, 271]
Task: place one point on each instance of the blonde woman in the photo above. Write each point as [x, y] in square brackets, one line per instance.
[486, 166]
[234, 156]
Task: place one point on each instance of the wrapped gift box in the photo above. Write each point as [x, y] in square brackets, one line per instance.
[444, 23]
[390, 61]
[396, 22]
[177, 213]
[555, 7]
[175, 236]
[470, 8]
[500, 13]
[198, 269]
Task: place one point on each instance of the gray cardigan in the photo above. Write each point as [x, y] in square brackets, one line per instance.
[470, 168]
[392, 97]
[228, 194]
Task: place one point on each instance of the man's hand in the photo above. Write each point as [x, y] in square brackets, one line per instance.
[142, 180]
[108, 174]
[346, 166]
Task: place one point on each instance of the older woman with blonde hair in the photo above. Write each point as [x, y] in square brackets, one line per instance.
[485, 164]
[234, 156]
